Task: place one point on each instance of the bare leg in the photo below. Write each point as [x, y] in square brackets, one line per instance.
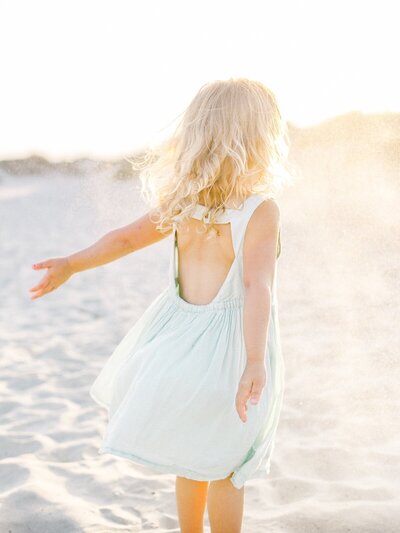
[225, 506]
[191, 499]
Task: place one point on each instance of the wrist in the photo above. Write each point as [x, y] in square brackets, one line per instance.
[254, 360]
[70, 265]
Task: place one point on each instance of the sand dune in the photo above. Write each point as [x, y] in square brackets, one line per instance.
[336, 459]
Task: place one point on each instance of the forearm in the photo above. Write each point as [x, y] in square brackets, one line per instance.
[108, 248]
[256, 315]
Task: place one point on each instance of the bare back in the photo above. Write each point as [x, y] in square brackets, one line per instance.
[204, 263]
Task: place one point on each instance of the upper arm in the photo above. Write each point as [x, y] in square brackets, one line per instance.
[141, 233]
[260, 244]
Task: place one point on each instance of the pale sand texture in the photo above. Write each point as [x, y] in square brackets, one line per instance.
[336, 461]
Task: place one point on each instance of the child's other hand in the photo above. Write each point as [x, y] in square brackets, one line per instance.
[59, 271]
[251, 386]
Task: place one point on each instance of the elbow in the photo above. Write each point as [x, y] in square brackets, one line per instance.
[128, 246]
[123, 243]
[258, 295]
[263, 288]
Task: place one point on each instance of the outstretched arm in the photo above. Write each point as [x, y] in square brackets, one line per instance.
[111, 246]
[116, 243]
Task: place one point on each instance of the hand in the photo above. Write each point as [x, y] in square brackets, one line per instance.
[59, 271]
[251, 385]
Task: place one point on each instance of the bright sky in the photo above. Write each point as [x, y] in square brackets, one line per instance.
[103, 78]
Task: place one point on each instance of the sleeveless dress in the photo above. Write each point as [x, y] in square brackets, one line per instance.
[170, 385]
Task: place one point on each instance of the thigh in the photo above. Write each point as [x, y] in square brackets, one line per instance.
[225, 506]
[191, 499]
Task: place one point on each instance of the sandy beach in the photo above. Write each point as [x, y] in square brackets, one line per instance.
[336, 462]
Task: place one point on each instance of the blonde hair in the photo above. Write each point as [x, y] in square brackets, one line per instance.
[231, 142]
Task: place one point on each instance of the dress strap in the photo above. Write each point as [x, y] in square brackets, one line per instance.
[175, 259]
[278, 247]
[241, 219]
[200, 210]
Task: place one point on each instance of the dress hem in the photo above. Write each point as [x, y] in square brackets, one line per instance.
[168, 469]
[237, 479]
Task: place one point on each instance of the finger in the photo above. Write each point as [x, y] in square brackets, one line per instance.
[241, 409]
[42, 285]
[255, 393]
[37, 295]
[42, 264]
[243, 394]
[42, 292]
[244, 388]
[241, 406]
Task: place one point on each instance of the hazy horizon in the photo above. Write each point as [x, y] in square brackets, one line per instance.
[97, 79]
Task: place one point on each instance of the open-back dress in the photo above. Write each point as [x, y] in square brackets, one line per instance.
[170, 384]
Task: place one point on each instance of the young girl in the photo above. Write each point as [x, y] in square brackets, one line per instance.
[195, 387]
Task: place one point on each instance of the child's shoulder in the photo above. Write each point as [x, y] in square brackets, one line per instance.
[264, 223]
[267, 211]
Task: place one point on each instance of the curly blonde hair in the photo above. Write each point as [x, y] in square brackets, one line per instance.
[231, 142]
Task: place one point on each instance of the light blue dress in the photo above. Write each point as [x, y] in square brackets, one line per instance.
[170, 384]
